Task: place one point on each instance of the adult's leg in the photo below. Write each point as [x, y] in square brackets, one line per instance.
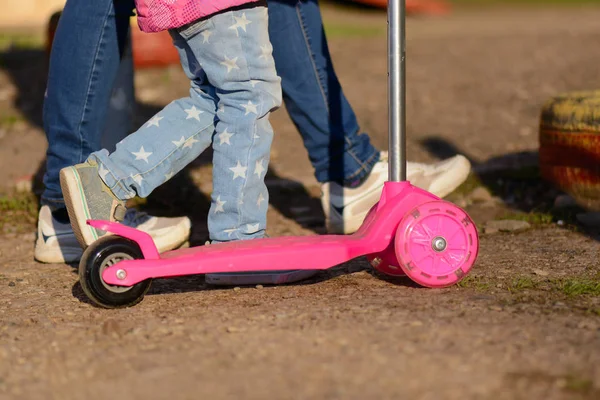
[85, 58]
[313, 95]
[351, 170]
[90, 41]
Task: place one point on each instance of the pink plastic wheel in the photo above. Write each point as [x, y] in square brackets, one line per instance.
[436, 244]
[386, 262]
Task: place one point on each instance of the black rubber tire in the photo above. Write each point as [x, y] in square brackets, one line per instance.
[90, 269]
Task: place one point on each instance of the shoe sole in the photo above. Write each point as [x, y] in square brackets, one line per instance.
[53, 256]
[78, 211]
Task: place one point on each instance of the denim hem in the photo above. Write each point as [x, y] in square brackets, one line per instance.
[54, 204]
[362, 173]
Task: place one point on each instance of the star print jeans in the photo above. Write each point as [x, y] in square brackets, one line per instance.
[81, 78]
[234, 87]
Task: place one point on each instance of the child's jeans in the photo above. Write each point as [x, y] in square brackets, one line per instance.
[234, 88]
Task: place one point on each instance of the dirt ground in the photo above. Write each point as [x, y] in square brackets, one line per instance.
[524, 325]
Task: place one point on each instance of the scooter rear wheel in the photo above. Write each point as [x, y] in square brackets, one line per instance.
[436, 244]
[103, 253]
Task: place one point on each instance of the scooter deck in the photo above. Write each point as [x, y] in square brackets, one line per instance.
[269, 254]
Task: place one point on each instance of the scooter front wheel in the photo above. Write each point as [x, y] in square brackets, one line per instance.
[436, 244]
[104, 253]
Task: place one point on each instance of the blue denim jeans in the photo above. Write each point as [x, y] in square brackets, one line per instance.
[234, 87]
[87, 50]
[90, 39]
[313, 96]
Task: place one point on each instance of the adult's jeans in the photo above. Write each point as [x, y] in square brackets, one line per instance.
[92, 36]
[90, 40]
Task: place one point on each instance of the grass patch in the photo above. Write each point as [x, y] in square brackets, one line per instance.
[580, 287]
[534, 218]
[10, 120]
[18, 211]
[522, 283]
[569, 286]
[472, 183]
[594, 311]
[578, 384]
[23, 41]
[475, 282]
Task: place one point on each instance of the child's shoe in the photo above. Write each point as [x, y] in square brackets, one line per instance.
[88, 197]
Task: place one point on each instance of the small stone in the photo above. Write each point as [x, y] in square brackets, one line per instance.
[525, 131]
[564, 201]
[591, 219]
[561, 383]
[560, 222]
[491, 203]
[588, 325]
[507, 225]
[237, 289]
[480, 195]
[259, 286]
[24, 185]
[416, 323]
[11, 284]
[540, 272]
[489, 230]
[495, 308]
[233, 329]
[461, 202]
[111, 327]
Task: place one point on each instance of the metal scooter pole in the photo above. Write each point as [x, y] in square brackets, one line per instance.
[397, 89]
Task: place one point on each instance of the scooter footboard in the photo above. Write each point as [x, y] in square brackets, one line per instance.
[287, 253]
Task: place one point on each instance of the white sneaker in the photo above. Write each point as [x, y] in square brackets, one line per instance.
[346, 208]
[56, 242]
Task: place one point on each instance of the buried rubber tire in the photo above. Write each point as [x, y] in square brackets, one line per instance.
[96, 258]
[570, 145]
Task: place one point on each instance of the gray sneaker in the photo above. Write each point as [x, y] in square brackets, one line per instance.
[87, 197]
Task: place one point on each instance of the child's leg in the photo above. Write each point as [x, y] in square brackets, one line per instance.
[144, 160]
[234, 50]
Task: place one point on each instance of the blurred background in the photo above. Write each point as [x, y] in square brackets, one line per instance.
[511, 84]
[479, 73]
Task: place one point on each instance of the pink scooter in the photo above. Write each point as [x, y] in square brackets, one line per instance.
[408, 232]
